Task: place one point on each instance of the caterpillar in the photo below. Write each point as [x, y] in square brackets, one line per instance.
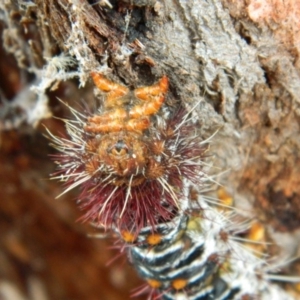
[131, 170]
[136, 162]
[196, 257]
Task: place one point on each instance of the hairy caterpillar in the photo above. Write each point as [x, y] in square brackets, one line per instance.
[129, 161]
[134, 165]
[197, 256]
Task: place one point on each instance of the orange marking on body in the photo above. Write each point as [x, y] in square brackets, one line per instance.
[154, 239]
[118, 113]
[155, 95]
[114, 90]
[137, 124]
[179, 284]
[257, 232]
[116, 117]
[225, 197]
[148, 108]
[127, 236]
[164, 84]
[154, 283]
[106, 85]
[113, 126]
[144, 93]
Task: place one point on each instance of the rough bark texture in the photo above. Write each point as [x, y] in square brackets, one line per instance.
[235, 62]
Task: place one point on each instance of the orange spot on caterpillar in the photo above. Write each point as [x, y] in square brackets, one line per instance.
[179, 284]
[128, 237]
[225, 197]
[154, 283]
[154, 239]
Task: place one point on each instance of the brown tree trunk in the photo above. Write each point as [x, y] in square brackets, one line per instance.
[235, 63]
